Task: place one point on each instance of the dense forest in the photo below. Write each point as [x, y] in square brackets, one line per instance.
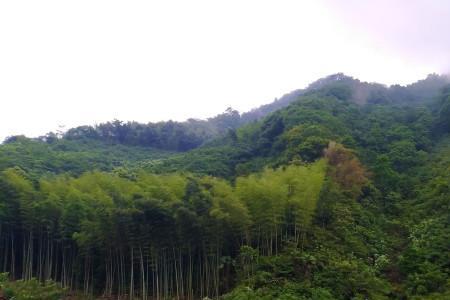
[337, 191]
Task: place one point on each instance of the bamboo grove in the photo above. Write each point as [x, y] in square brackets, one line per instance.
[150, 236]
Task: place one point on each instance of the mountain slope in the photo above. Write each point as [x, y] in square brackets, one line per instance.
[74, 157]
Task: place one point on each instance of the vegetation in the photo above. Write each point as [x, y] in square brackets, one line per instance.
[341, 194]
[38, 158]
[29, 290]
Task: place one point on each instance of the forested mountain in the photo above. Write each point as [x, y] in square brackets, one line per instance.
[331, 109]
[337, 191]
[184, 136]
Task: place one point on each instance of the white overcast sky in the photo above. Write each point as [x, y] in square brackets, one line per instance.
[83, 62]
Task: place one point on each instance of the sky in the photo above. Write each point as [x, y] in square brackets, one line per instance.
[70, 63]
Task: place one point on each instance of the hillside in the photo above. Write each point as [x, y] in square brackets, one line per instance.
[337, 191]
[37, 157]
[328, 111]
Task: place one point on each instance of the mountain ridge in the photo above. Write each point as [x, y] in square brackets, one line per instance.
[197, 131]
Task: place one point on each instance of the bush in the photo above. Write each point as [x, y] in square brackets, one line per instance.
[30, 289]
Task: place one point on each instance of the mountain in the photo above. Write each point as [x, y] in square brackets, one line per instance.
[184, 136]
[337, 191]
[330, 108]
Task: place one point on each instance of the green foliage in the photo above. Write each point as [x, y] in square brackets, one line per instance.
[29, 290]
[308, 142]
[40, 158]
[425, 261]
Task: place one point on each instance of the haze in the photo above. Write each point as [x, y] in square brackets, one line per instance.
[69, 63]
